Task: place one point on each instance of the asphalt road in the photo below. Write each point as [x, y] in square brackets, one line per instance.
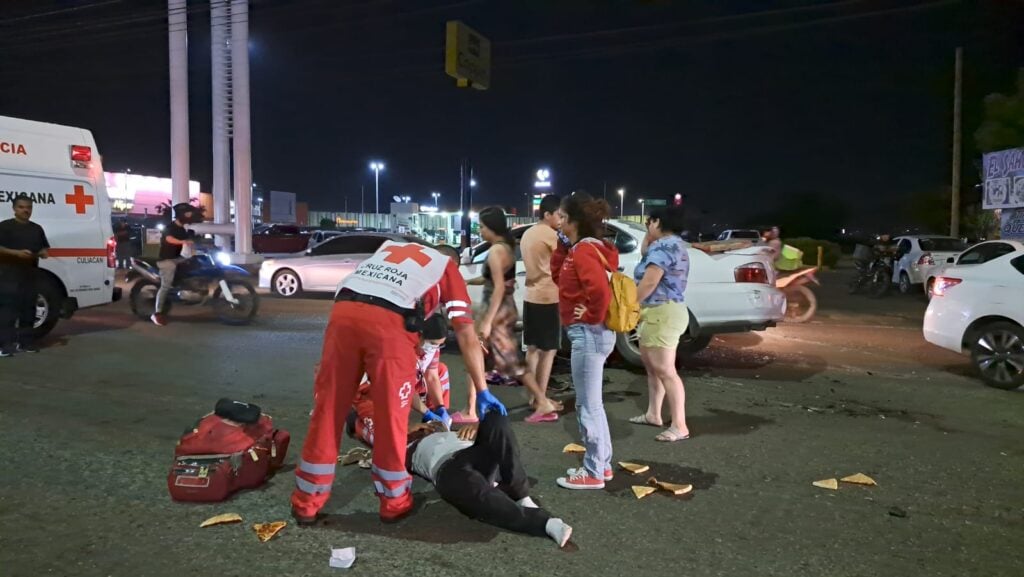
[88, 427]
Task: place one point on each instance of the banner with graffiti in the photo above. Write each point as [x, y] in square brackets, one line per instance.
[1012, 224]
[1004, 179]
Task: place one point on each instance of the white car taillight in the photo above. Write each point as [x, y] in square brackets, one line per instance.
[754, 272]
[943, 284]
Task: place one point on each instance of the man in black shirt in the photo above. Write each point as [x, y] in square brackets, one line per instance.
[22, 244]
[175, 237]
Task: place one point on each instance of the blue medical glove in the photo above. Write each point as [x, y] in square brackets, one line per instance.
[485, 401]
[445, 417]
[432, 416]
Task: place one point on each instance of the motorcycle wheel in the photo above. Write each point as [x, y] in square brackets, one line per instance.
[880, 282]
[237, 314]
[801, 304]
[143, 299]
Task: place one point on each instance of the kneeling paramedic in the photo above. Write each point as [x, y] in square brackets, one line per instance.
[375, 329]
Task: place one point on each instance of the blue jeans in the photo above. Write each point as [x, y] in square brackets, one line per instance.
[591, 345]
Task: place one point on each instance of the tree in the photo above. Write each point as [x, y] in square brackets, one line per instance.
[326, 224]
[1003, 123]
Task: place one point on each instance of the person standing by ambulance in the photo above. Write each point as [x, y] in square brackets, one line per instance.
[175, 238]
[375, 328]
[22, 244]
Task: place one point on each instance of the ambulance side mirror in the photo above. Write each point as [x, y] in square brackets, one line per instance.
[467, 256]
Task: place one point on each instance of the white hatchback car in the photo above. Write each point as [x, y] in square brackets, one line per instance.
[980, 309]
[727, 292]
[918, 256]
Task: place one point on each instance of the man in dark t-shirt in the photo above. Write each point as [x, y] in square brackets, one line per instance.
[22, 244]
[174, 238]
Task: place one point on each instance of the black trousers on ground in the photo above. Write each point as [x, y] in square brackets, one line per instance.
[465, 480]
[17, 308]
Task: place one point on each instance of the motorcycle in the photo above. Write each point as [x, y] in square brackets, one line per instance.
[874, 272]
[801, 303]
[199, 280]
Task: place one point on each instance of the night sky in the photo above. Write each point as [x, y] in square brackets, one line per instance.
[736, 104]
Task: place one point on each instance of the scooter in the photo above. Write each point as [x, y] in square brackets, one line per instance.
[199, 280]
[801, 303]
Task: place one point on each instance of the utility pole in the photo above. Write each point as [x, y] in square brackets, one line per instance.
[954, 220]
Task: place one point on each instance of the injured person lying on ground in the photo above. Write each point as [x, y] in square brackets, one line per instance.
[479, 472]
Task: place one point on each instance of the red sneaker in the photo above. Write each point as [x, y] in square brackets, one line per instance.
[608, 475]
[395, 509]
[158, 319]
[582, 480]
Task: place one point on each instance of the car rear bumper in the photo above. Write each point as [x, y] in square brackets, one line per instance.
[736, 307]
[944, 328]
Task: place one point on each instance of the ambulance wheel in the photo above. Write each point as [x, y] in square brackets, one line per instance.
[143, 299]
[47, 307]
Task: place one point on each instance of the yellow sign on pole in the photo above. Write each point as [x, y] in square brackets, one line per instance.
[467, 56]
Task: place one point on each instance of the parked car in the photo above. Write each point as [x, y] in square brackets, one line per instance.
[740, 234]
[323, 266]
[977, 309]
[977, 254]
[916, 256]
[727, 292]
[280, 239]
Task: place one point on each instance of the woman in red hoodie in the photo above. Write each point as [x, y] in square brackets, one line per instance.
[580, 267]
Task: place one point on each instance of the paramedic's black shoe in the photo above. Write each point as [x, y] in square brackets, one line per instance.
[22, 348]
[303, 521]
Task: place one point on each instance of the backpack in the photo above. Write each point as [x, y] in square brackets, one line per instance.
[624, 308]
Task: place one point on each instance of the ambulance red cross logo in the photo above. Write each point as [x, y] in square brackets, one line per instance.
[399, 254]
[79, 199]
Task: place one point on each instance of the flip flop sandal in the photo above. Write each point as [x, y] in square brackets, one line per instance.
[459, 419]
[542, 418]
[670, 435]
[642, 420]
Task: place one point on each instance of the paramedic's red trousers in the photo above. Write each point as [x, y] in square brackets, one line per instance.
[360, 338]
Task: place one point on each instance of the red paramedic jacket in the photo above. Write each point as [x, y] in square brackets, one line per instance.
[583, 279]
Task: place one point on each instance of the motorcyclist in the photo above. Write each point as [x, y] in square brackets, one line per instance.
[175, 237]
[771, 237]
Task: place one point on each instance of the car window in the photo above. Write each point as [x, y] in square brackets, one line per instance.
[904, 246]
[349, 244]
[746, 234]
[942, 244]
[985, 252]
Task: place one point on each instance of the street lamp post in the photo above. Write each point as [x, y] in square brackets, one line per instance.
[436, 196]
[641, 201]
[376, 167]
[622, 203]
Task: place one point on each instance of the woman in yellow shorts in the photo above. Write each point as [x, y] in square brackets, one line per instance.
[661, 287]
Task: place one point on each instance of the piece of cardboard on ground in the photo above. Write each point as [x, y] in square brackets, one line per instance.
[827, 484]
[222, 519]
[859, 479]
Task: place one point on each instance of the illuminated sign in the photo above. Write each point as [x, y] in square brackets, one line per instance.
[141, 194]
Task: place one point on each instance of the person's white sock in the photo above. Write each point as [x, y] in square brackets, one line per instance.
[527, 502]
[558, 531]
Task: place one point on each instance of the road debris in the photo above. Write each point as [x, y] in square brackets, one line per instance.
[221, 520]
[640, 491]
[827, 484]
[897, 512]
[343, 558]
[859, 479]
[634, 468]
[266, 531]
[673, 488]
[354, 455]
[574, 448]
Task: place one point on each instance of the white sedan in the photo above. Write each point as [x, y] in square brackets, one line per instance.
[978, 308]
[918, 256]
[322, 267]
[726, 293]
[977, 254]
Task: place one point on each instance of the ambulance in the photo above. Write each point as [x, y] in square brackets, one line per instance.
[59, 168]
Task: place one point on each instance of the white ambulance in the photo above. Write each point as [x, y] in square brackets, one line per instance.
[59, 168]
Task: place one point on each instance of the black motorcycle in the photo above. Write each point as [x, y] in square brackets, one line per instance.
[874, 272]
[198, 280]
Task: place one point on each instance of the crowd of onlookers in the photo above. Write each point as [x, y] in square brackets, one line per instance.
[567, 264]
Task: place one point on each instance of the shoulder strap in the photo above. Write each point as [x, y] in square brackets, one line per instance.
[604, 261]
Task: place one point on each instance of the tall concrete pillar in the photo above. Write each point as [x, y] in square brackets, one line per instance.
[177, 23]
[220, 65]
[242, 134]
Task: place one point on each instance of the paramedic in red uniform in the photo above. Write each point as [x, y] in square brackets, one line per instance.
[374, 329]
